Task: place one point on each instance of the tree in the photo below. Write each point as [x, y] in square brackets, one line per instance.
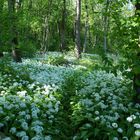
[77, 28]
[62, 26]
[106, 25]
[86, 26]
[13, 7]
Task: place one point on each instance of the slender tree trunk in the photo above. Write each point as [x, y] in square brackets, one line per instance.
[45, 30]
[86, 28]
[62, 26]
[1, 11]
[77, 28]
[106, 26]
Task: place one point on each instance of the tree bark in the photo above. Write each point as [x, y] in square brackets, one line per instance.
[136, 79]
[106, 26]
[77, 28]
[13, 30]
[86, 28]
[62, 26]
[1, 11]
[45, 30]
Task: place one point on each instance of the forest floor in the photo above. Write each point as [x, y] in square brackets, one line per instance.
[57, 97]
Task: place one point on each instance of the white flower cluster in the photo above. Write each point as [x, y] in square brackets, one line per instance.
[44, 73]
[28, 107]
[104, 100]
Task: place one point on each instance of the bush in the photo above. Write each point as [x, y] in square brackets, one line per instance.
[56, 60]
[28, 49]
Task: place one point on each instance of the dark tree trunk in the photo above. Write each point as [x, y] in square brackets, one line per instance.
[16, 55]
[86, 28]
[137, 7]
[15, 51]
[1, 54]
[136, 80]
[77, 28]
[136, 86]
[13, 7]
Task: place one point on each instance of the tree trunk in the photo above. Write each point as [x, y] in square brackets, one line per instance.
[136, 80]
[13, 30]
[106, 26]
[1, 11]
[45, 32]
[86, 28]
[62, 26]
[15, 51]
[77, 28]
[1, 54]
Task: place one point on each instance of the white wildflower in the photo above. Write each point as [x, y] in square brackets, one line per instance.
[27, 117]
[115, 138]
[97, 118]
[24, 125]
[25, 138]
[13, 130]
[37, 122]
[133, 117]
[129, 119]
[22, 113]
[48, 138]
[37, 137]
[115, 125]
[34, 114]
[38, 129]
[137, 125]
[97, 112]
[137, 133]
[22, 105]
[21, 134]
[120, 130]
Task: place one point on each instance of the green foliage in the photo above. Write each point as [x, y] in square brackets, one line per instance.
[56, 60]
[28, 49]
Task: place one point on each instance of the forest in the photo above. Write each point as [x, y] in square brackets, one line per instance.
[69, 69]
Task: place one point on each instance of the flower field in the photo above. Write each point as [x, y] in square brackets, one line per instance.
[41, 99]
